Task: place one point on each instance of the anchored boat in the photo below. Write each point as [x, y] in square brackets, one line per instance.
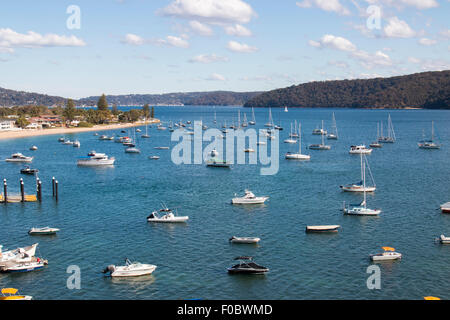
[167, 216]
[249, 198]
[388, 254]
[130, 269]
[18, 157]
[12, 294]
[322, 229]
[246, 240]
[247, 266]
[43, 231]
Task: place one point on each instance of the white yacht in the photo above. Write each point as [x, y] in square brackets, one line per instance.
[429, 144]
[388, 254]
[360, 149]
[249, 198]
[361, 186]
[99, 159]
[390, 138]
[19, 254]
[166, 217]
[130, 269]
[299, 155]
[76, 144]
[18, 157]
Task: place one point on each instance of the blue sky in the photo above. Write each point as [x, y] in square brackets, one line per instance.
[161, 46]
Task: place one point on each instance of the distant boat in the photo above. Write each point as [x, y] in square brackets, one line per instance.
[270, 122]
[12, 294]
[376, 144]
[161, 148]
[167, 217]
[445, 208]
[245, 240]
[388, 254]
[99, 159]
[146, 135]
[361, 186]
[131, 269]
[290, 140]
[285, 109]
[334, 134]
[43, 231]
[18, 157]
[360, 149]
[444, 240]
[76, 144]
[247, 266]
[253, 121]
[153, 157]
[33, 148]
[217, 163]
[321, 146]
[322, 229]
[299, 155]
[27, 170]
[429, 144]
[244, 122]
[249, 198]
[390, 138]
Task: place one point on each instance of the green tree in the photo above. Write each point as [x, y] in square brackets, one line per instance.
[146, 111]
[21, 122]
[152, 115]
[69, 110]
[115, 111]
[102, 104]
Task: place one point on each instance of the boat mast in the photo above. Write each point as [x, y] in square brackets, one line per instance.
[364, 180]
[432, 131]
[299, 138]
[323, 142]
[253, 115]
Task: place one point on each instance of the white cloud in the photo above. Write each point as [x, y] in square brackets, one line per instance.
[208, 58]
[333, 42]
[238, 31]
[133, 39]
[10, 39]
[413, 60]
[431, 64]
[201, 28]
[419, 4]
[326, 5]
[216, 77]
[445, 33]
[174, 42]
[240, 47]
[397, 28]
[212, 11]
[427, 42]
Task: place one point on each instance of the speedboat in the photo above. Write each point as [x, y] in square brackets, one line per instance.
[12, 294]
[33, 148]
[19, 254]
[34, 264]
[99, 159]
[249, 150]
[166, 217]
[444, 240]
[18, 157]
[375, 144]
[246, 240]
[388, 254]
[28, 170]
[130, 269]
[322, 229]
[247, 266]
[43, 231]
[249, 198]
[445, 208]
[132, 150]
[359, 149]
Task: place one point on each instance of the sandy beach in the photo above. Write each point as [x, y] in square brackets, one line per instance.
[62, 131]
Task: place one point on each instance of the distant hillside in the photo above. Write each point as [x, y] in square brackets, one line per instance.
[187, 98]
[429, 90]
[19, 98]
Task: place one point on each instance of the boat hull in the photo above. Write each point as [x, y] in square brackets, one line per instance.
[93, 163]
[121, 273]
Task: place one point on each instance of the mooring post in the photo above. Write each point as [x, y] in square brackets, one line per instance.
[56, 190]
[53, 186]
[39, 190]
[5, 193]
[22, 190]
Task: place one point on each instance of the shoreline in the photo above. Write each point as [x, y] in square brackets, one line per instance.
[62, 131]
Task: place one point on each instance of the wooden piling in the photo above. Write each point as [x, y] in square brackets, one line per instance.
[39, 190]
[53, 186]
[56, 190]
[22, 190]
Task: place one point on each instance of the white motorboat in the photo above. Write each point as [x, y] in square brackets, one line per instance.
[360, 149]
[388, 254]
[390, 138]
[361, 186]
[19, 254]
[99, 159]
[132, 149]
[323, 229]
[103, 137]
[246, 240]
[68, 142]
[61, 139]
[167, 216]
[429, 144]
[76, 144]
[18, 157]
[321, 146]
[130, 269]
[249, 150]
[12, 294]
[34, 264]
[249, 198]
[299, 155]
[153, 157]
[43, 231]
[444, 240]
[33, 148]
[445, 208]
[217, 163]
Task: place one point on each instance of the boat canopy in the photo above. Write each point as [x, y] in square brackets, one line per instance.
[388, 249]
[9, 291]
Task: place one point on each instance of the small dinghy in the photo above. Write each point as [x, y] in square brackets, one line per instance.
[323, 229]
[130, 269]
[388, 254]
[444, 240]
[33, 148]
[246, 240]
[247, 266]
[28, 170]
[12, 294]
[249, 198]
[167, 217]
[43, 231]
[153, 157]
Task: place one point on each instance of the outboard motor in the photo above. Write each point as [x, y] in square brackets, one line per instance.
[111, 268]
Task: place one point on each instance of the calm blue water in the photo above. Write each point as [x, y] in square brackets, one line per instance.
[102, 214]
